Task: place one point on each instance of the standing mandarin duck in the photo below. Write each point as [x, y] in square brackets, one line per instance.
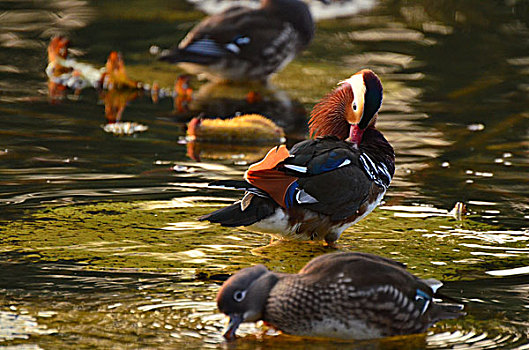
[323, 185]
[243, 44]
[338, 295]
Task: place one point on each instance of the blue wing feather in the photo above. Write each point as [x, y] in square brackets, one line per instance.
[205, 47]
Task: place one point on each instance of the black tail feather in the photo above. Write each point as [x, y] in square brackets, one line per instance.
[239, 185]
[177, 55]
[233, 215]
[445, 311]
[233, 184]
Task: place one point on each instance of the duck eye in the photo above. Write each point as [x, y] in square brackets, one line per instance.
[239, 295]
[355, 107]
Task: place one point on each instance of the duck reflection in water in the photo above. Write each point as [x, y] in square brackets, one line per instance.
[244, 138]
[227, 100]
[117, 91]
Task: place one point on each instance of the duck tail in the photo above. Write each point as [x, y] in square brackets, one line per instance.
[177, 55]
[231, 184]
[245, 212]
[201, 52]
[445, 311]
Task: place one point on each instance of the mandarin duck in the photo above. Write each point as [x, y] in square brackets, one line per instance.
[338, 295]
[321, 186]
[243, 44]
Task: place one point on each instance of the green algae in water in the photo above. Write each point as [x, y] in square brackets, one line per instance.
[165, 236]
[144, 272]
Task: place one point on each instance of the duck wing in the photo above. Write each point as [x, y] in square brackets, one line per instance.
[331, 177]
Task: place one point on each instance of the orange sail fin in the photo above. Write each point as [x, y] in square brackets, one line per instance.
[264, 176]
[275, 156]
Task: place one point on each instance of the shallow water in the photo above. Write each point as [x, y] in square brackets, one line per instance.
[100, 244]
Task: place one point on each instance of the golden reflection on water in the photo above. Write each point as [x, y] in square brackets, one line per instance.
[172, 310]
[142, 272]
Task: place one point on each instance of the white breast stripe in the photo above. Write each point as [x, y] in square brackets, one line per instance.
[378, 173]
[373, 166]
[382, 170]
[386, 172]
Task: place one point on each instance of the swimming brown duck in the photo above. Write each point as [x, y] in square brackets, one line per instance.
[339, 295]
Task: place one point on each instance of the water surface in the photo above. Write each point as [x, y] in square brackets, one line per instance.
[100, 244]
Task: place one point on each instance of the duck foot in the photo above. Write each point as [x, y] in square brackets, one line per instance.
[332, 245]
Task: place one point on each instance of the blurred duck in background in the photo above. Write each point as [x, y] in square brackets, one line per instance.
[244, 44]
[320, 10]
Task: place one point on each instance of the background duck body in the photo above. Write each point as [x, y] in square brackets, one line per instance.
[352, 296]
[242, 44]
[339, 295]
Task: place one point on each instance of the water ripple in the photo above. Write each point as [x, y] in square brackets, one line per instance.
[19, 326]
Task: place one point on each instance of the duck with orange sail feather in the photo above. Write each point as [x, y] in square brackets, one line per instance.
[321, 186]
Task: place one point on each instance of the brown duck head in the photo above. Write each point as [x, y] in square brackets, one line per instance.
[350, 109]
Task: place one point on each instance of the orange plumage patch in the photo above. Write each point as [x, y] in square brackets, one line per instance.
[275, 156]
[264, 175]
[58, 48]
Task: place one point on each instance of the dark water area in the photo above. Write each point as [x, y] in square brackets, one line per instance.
[99, 242]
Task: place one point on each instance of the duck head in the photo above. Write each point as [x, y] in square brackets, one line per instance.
[58, 48]
[243, 296]
[350, 109]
